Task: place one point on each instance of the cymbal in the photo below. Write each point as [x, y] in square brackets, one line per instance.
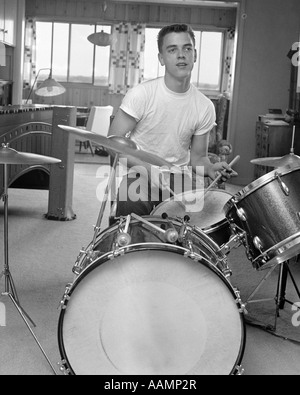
[120, 145]
[10, 156]
[289, 159]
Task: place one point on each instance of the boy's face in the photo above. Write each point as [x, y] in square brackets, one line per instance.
[178, 54]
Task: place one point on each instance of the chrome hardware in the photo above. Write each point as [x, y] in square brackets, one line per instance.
[66, 297]
[227, 272]
[258, 244]
[239, 301]
[63, 368]
[123, 239]
[84, 258]
[168, 236]
[241, 214]
[283, 186]
[234, 242]
[171, 235]
[183, 231]
[240, 370]
[116, 252]
[190, 253]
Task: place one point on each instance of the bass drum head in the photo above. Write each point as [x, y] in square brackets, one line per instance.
[151, 312]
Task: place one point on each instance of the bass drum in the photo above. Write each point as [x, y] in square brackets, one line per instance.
[151, 309]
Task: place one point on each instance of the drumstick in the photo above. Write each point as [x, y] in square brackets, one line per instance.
[220, 175]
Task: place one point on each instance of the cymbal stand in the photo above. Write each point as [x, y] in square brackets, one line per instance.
[280, 299]
[97, 227]
[292, 151]
[10, 289]
[281, 288]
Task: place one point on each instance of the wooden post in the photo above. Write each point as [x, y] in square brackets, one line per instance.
[62, 174]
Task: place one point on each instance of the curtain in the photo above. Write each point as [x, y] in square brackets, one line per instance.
[127, 57]
[30, 53]
[2, 54]
[228, 61]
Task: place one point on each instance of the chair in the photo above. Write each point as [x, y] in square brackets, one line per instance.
[98, 122]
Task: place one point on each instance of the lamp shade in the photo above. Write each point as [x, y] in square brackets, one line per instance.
[101, 39]
[50, 87]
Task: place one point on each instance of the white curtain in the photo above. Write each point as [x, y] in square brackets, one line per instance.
[30, 53]
[228, 61]
[127, 57]
[2, 55]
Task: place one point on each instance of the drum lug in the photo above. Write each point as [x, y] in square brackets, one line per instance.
[283, 186]
[258, 244]
[241, 214]
[63, 369]
[239, 370]
[190, 250]
[116, 252]
[227, 272]
[84, 259]
[242, 306]
[65, 298]
[234, 242]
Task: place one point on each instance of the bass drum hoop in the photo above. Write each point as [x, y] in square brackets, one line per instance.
[66, 365]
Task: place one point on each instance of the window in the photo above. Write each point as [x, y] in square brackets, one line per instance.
[64, 48]
[207, 71]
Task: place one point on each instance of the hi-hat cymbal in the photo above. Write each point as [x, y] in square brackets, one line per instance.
[10, 156]
[119, 145]
[289, 159]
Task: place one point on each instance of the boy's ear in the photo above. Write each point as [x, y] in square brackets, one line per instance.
[161, 60]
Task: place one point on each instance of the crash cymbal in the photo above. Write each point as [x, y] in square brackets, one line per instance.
[120, 145]
[289, 159]
[10, 156]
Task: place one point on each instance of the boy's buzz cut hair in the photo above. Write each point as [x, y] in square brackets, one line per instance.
[176, 28]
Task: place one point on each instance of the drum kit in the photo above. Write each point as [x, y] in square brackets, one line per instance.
[152, 295]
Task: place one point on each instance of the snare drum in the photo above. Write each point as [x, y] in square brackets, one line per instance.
[151, 308]
[209, 216]
[268, 212]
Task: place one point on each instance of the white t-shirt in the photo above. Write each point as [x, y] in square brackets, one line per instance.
[167, 120]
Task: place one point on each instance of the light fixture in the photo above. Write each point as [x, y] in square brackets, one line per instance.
[101, 39]
[48, 88]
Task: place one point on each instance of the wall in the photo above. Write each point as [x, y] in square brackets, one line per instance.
[270, 29]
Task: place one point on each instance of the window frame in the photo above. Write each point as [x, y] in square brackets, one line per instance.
[208, 92]
[94, 56]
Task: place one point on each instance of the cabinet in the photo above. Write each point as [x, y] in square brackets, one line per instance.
[8, 21]
[274, 141]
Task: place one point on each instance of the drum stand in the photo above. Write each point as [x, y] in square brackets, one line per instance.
[280, 298]
[10, 289]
